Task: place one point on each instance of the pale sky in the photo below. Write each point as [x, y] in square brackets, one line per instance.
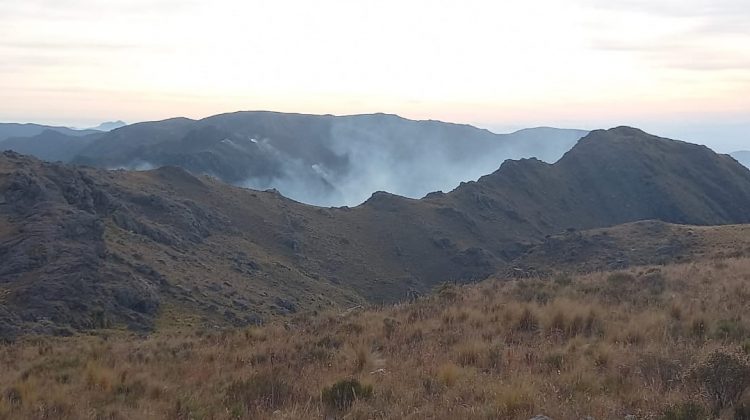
[678, 68]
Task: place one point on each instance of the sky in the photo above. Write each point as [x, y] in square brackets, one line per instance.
[677, 68]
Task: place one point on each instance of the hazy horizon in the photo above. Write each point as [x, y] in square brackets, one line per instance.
[679, 69]
[732, 138]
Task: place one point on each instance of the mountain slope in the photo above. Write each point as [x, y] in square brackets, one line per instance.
[742, 157]
[10, 130]
[324, 159]
[82, 247]
[621, 175]
[632, 244]
[109, 125]
[50, 145]
[658, 341]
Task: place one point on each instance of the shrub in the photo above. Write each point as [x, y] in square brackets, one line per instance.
[352, 328]
[600, 355]
[633, 338]
[620, 286]
[342, 394]
[555, 361]
[363, 357]
[389, 327]
[563, 279]
[449, 374]
[730, 329]
[262, 390]
[675, 311]
[577, 325]
[654, 282]
[329, 342]
[742, 409]
[558, 323]
[698, 328]
[130, 391]
[532, 291]
[447, 292]
[656, 367]
[494, 357]
[516, 401]
[528, 321]
[593, 324]
[470, 354]
[620, 279]
[99, 377]
[685, 411]
[14, 397]
[724, 376]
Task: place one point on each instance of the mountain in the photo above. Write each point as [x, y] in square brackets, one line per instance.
[639, 244]
[11, 130]
[109, 125]
[742, 157]
[324, 159]
[50, 145]
[83, 248]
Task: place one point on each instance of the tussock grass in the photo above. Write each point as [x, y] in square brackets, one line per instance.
[665, 342]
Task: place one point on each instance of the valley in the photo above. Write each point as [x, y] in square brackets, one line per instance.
[584, 287]
[343, 210]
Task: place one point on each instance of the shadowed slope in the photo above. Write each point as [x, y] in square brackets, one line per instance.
[80, 247]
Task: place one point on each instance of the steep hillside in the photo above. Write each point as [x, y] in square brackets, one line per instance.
[325, 159]
[82, 247]
[617, 176]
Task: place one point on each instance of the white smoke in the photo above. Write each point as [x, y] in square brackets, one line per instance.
[402, 157]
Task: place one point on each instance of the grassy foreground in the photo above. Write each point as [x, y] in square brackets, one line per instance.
[665, 342]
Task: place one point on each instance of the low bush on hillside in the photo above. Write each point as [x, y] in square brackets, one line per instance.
[666, 343]
[724, 376]
[263, 390]
[685, 411]
[344, 393]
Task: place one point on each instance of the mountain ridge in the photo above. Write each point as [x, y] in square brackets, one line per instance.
[743, 157]
[10, 130]
[320, 159]
[109, 125]
[131, 243]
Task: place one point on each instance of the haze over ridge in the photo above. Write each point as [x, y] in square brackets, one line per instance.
[677, 69]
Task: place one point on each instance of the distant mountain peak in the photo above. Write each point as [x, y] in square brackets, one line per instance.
[110, 125]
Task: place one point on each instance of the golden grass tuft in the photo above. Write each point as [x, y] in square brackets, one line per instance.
[646, 342]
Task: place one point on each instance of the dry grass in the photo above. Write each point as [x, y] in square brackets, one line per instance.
[647, 342]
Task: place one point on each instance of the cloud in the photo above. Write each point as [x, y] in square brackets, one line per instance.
[698, 35]
[42, 46]
[96, 9]
[712, 9]
[486, 60]
[679, 54]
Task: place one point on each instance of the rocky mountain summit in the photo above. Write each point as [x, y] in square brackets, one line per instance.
[82, 248]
